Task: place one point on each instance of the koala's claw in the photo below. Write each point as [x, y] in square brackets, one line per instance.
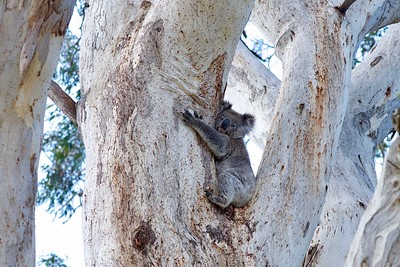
[197, 115]
[187, 116]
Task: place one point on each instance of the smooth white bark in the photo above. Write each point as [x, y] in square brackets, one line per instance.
[300, 149]
[281, 22]
[353, 177]
[377, 241]
[366, 16]
[31, 36]
[374, 91]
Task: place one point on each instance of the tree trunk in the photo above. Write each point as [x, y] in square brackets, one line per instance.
[302, 142]
[32, 33]
[146, 171]
[144, 201]
[373, 95]
[377, 241]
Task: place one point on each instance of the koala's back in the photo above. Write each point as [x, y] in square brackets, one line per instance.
[236, 165]
[236, 159]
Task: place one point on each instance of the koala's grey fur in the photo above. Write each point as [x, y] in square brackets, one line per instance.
[236, 180]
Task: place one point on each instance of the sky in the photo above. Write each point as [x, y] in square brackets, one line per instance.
[65, 240]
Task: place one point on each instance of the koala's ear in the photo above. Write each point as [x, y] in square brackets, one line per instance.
[248, 120]
[226, 105]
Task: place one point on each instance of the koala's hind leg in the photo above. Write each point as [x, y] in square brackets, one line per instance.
[225, 191]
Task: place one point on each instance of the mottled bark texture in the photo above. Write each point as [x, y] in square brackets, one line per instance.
[377, 240]
[147, 172]
[31, 36]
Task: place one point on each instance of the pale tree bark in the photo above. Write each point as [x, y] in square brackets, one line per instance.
[145, 62]
[373, 96]
[374, 93]
[146, 171]
[31, 36]
[285, 23]
[377, 241]
[297, 162]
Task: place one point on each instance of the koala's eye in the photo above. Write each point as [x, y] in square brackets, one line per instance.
[233, 125]
[225, 123]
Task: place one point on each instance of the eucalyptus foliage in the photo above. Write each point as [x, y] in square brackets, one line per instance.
[51, 260]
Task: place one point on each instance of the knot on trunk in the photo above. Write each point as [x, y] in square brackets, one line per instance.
[143, 236]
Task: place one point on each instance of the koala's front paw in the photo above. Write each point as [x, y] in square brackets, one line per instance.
[190, 118]
[197, 115]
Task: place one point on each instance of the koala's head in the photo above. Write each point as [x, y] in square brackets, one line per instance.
[233, 124]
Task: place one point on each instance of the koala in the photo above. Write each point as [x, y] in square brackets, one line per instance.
[235, 177]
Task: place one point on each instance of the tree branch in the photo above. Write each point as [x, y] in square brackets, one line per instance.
[367, 16]
[373, 95]
[63, 101]
[376, 84]
[376, 241]
[346, 4]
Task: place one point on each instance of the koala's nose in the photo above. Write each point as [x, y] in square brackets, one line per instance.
[225, 123]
